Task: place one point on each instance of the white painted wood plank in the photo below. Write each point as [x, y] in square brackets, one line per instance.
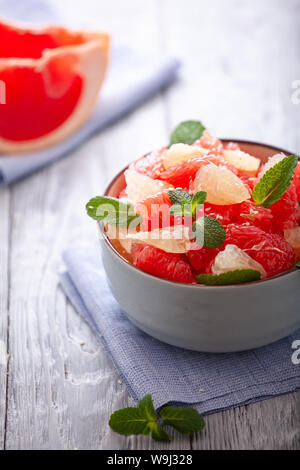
[4, 282]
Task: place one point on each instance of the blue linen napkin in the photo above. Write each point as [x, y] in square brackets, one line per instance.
[132, 79]
[209, 382]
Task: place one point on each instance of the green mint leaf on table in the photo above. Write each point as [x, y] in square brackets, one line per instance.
[140, 420]
[129, 421]
[209, 232]
[113, 211]
[184, 420]
[147, 408]
[297, 265]
[177, 196]
[187, 132]
[144, 420]
[158, 433]
[231, 277]
[274, 183]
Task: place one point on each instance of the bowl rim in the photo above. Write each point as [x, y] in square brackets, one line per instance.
[183, 284]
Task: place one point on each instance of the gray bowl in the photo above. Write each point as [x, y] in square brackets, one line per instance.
[204, 318]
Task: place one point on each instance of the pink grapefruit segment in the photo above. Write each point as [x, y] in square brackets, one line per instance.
[171, 266]
[183, 173]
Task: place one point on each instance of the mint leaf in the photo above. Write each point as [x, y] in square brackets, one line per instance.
[146, 407]
[185, 420]
[209, 232]
[144, 420]
[177, 196]
[158, 433]
[274, 183]
[187, 209]
[198, 199]
[187, 132]
[113, 211]
[183, 210]
[140, 420]
[176, 210]
[231, 277]
[297, 265]
[129, 421]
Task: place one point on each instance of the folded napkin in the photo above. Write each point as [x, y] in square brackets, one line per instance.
[132, 78]
[209, 382]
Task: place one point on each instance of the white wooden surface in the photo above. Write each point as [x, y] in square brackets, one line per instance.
[57, 386]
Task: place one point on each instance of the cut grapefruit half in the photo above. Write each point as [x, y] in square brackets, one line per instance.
[51, 77]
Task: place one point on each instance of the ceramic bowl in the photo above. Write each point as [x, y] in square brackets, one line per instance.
[204, 318]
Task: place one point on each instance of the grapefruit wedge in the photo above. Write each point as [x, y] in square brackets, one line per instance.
[52, 77]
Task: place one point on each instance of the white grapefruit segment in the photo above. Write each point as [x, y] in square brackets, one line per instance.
[170, 239]
[270, 163]
[89, 59]
[233, 258]
[244, 162]
[222, 186]
[292, 236]
[180, 152]
[141, 186]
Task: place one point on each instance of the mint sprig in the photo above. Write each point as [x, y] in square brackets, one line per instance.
[237, 276]
[144, 420]
[297, 265]
[274, 183]
[113, 211]
[187, 132]
[207, 231]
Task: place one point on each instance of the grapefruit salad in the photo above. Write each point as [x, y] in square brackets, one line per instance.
[202, 211]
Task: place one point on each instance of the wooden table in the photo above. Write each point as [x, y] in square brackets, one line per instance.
[57, 386]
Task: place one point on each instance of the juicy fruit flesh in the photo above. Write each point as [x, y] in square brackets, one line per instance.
[265, 239]
[179, 152]
[51, 77]
[270, 250]
[142, 186]
[151, 164]
[30, 44]
[222, 186]
[173, 267]
[183, 173]
[37, 101]
[30, 112]
[169, 239]
[233, 258]
[247, 164]
[292, 236]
